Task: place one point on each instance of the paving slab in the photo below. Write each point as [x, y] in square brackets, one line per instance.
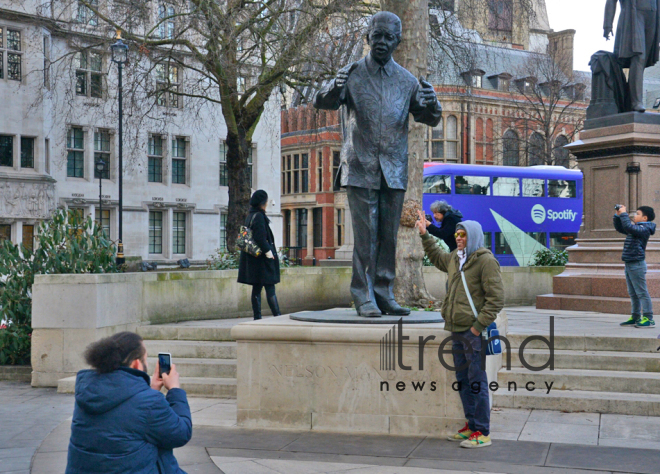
[336, 458]
[496, 467]
[638, 461]
[217, 437]
[511, 452]
[366, 445]
[550, 416]
[630, 427]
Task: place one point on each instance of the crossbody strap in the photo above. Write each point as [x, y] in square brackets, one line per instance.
[469, 296]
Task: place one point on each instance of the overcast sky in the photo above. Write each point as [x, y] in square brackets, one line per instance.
[586, 18]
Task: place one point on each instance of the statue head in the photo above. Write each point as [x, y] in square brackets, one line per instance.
[384, 35]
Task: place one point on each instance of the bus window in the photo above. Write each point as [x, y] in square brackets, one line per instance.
[501, 245]
[488, 240]
[506, 186]
[437, 184]
[561, 188]
[559, 240]
[533, 187]
[472, 185]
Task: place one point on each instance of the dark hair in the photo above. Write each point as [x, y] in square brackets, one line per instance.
[118, 350]
[259, 198]
[647, 211]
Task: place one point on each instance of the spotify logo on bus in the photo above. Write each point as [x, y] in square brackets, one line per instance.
[538, 214]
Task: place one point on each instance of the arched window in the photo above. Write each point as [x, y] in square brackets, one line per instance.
[443, 144]
[166, 27]
[559, 153]
[511, 149]
[535, 150]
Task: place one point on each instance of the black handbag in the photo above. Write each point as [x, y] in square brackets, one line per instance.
[245, 241]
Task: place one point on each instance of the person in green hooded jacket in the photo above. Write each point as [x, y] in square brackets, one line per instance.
[484, 282]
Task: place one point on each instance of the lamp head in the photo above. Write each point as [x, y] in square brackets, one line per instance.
[100, 166]
[119, 50]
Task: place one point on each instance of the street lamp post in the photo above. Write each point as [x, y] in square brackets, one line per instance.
[100, 170]
[120, 57]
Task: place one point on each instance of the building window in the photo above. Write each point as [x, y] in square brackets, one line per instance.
[300, 173]
[319, 171]
[168, 85]
[166, 21]
[85, 15]
[6, 150]
[47, 154]
[46, 62]
[249, 167]
[559, 153]
[224, 173]
[317, 217]
[511, 149]
[27, 152]
[536, 150]
[179, 233]
[301, 231]
[75, 160]
[500, 15]
[286, 174]
[336, 164]
[341, 215]
[155, 157]
[28, 236]
[89, 74]
[5, 232]
[104, 220]
[156, 232]
[223, 232]
[11, 54]
[484, 142]
[444, 140]
[102, 152]
[179, 160]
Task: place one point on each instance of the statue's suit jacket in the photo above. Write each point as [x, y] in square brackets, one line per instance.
[378, 100]
[629, 32]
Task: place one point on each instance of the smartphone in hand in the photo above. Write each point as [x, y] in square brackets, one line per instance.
[164, 363]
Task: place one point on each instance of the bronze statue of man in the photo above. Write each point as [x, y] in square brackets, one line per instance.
[377, 96]
[637, 41]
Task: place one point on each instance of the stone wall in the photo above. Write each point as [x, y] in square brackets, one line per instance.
[70, 311]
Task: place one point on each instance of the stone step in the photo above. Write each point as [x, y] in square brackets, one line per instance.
[570, 401]
[590, 360]
[210, 387]
[599, 304]
[187, 367]
[16, 373]
[600, 285]
[184, 333]
[630, 340]
[610, 381]
[192, 349]
[66, 385]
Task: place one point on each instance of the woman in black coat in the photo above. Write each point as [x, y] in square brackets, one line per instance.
[262, 271]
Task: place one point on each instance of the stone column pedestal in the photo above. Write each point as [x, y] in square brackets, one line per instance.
[620, 159]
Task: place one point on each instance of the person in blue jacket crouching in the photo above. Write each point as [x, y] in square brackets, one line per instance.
[122, 423]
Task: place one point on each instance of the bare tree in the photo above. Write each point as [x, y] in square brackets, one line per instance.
[234, 53]
[549, 110]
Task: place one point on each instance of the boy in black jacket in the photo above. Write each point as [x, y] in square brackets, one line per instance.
[638, 230]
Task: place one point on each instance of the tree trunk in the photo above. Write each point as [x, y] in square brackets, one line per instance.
[409, 286]
[238, 147]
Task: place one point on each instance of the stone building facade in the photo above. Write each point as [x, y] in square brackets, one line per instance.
[59, 117]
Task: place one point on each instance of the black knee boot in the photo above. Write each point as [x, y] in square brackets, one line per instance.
[274, 307]
[256, 306]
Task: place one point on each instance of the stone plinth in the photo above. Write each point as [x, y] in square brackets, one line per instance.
[323, 376]
[620, 159]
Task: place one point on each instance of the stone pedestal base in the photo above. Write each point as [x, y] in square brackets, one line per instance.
[620, 159]
[345, 377]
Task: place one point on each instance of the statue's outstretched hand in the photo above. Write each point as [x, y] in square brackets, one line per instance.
[427, 92]
[343, 73]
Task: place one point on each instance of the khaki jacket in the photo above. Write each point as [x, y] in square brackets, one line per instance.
[484, 280]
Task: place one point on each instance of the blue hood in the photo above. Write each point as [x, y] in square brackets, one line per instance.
[650, 226]
[99, 393]
[475, 236]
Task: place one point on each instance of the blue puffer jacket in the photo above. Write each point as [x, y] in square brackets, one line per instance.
[637, 236]
[121, 425]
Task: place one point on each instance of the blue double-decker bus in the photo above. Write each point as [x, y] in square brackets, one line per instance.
[521, 210]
